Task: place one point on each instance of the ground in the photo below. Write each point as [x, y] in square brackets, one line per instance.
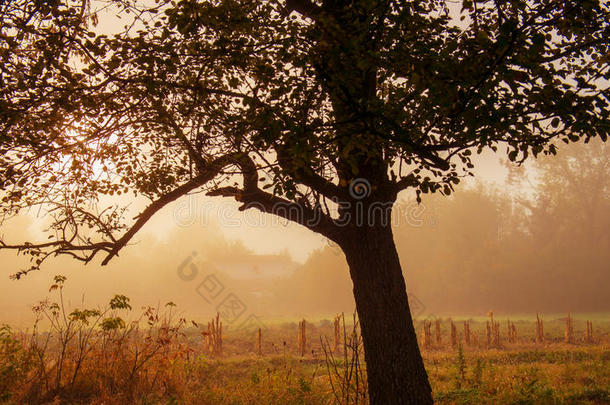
[170, 363]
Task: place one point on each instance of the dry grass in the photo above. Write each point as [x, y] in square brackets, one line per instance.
[99, 356]
[143, 367]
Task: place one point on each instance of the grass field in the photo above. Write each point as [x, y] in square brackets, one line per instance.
[106, 356]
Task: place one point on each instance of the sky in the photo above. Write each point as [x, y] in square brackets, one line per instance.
[208, 227]
[262, 233]
[266, 234]
[191, 224]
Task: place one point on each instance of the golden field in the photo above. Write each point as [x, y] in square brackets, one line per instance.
[118, 355]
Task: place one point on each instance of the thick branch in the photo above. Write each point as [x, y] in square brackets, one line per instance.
[311, 218]
[89, 249]
[409, 180]
[206, 175]
[307, 176]
[253, 197]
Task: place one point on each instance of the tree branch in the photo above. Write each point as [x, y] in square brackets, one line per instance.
[207, 174]
[307, 176]
[253, 197]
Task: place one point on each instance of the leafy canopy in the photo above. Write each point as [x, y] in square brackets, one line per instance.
[281, 105]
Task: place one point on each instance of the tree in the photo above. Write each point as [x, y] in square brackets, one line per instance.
[319, 112]
[574, 189]
[567, 222]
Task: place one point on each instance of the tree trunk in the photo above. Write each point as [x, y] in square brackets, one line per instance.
[395, 369]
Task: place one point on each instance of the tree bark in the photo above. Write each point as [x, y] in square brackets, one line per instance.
[395, 369]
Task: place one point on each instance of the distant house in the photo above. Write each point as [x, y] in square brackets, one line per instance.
[254, 267]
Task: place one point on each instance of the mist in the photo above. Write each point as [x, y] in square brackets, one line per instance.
[537, 241]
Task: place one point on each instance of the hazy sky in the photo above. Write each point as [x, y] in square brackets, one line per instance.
[261, 233]
[146, 270]
[268, 234]
[173, 233]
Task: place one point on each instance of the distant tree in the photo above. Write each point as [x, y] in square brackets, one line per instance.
[568, 224]
[319, 112]
[459, 248]
[574, 192]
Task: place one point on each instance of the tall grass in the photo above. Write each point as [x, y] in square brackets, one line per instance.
[117, 355]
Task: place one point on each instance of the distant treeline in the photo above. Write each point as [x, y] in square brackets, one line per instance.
[541, 244]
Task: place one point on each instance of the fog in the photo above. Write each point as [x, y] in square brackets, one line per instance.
[520, 240]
